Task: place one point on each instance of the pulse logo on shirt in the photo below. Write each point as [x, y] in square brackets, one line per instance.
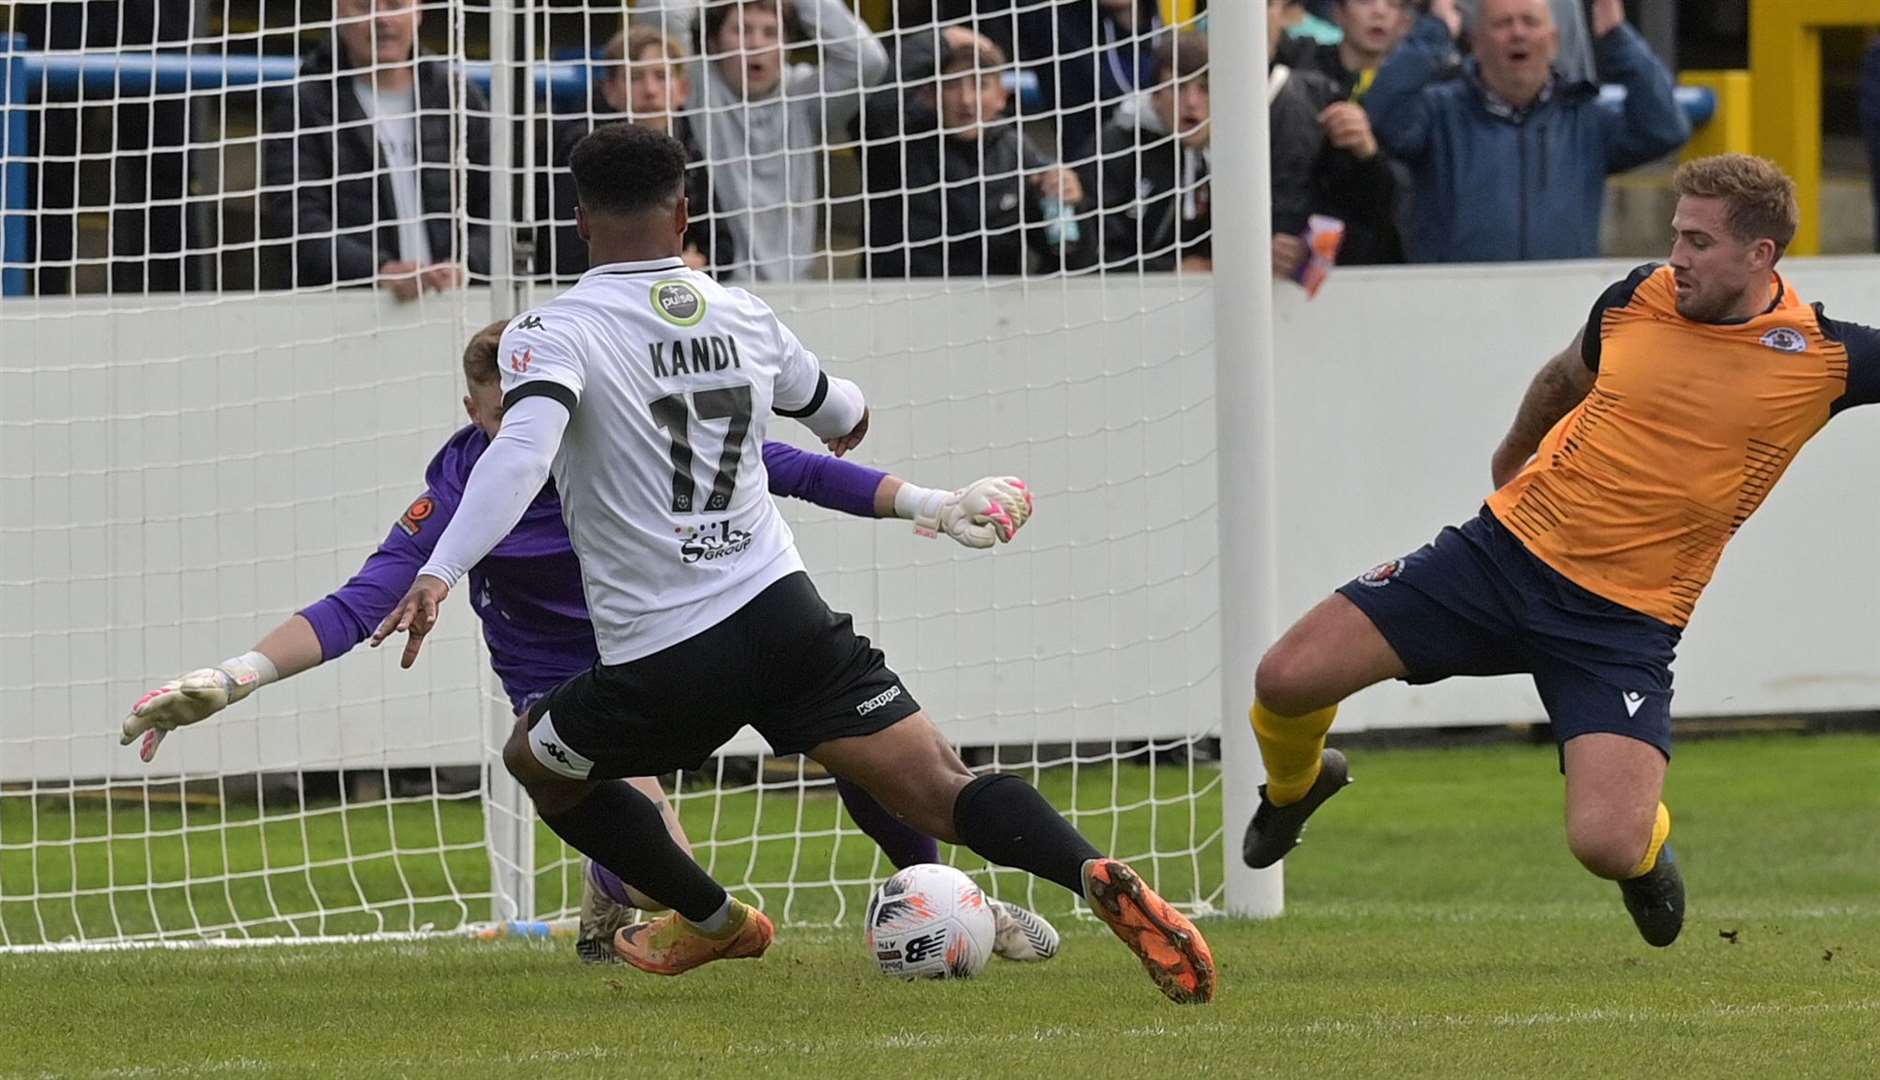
[711, 542]
[678, 302]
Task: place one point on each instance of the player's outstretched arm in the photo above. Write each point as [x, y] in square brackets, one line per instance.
[322, 631]
[987, 511]
[287, 650]
[1561, 384]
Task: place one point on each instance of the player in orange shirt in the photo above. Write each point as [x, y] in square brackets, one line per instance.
[1636, 454]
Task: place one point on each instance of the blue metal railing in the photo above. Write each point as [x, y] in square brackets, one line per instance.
[24, 73]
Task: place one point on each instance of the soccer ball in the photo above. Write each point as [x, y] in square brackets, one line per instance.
[930, 922]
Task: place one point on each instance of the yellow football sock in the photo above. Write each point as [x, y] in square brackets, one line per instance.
[1290, 746]
[1661, 829]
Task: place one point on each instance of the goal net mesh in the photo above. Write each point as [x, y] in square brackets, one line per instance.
[241, 261]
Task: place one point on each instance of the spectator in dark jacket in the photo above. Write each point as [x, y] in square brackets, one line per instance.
[1325, 160]
[1089, 55]
[1353, 180]
[644, 80]
[1149, 172]
[1870, 125]
[1373, 30]
[360, 161]
[954, 188]
[1511, 160]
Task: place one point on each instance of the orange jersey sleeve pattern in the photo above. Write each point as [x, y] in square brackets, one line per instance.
[1689, 425]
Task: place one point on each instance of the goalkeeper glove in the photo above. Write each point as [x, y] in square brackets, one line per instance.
[192, 697]
[987, 511]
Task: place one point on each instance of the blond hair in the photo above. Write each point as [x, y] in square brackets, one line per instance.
[479, 357]
[1759, 195]
[631, 43]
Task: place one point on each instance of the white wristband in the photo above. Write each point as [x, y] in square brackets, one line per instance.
[247, 673]
[911, 499]
[921, 506]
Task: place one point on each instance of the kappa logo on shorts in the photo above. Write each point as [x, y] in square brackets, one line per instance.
[1633, 699]
[878, 701]
[553, 751]
[1380, 575]
[1786, 339]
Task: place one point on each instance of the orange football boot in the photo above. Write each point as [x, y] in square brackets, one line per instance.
[669, 945]
[1172, 951]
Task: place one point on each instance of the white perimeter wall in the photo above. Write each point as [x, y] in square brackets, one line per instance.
[173, 482]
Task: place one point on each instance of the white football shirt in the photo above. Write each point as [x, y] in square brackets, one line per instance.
[670, 379]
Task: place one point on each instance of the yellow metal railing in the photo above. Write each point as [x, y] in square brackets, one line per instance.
[1785, 67]
[1730, 127]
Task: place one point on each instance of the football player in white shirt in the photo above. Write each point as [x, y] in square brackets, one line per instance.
[647, 388]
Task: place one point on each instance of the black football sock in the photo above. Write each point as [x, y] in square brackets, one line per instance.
[1005, 819]
[622, 830]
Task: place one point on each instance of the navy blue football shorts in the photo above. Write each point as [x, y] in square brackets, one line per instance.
[1475, 601]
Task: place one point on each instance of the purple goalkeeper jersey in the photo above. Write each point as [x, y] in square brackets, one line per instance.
[528, 590]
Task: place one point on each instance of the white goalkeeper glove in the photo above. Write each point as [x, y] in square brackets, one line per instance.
[195, 696]
[987, 511]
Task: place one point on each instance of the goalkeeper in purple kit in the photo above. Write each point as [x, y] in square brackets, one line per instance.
[528, 595]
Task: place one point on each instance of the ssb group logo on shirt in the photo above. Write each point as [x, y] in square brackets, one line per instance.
[678, 302]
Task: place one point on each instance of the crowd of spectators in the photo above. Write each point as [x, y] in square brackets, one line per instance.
[988, 137]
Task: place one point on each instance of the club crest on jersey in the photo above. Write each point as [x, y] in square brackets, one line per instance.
[519, 361]
[415, 515]
[678, 302]
[1786, 339]
[1380, 575]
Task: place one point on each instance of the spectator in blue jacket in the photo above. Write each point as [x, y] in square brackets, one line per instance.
[1870, 126]
[1510, 160]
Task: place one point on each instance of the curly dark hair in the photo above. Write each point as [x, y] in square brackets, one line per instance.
[625, 168]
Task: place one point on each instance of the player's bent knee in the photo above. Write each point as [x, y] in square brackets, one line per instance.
[551, 792]
[1608, 849]
[1287, 683]
[518, 758]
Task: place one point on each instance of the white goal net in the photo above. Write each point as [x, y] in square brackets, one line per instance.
[242, 260]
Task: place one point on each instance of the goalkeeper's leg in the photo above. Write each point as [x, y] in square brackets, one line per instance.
[903, 844]
[914, 772]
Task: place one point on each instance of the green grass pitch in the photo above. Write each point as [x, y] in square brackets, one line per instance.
[1436, 926]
